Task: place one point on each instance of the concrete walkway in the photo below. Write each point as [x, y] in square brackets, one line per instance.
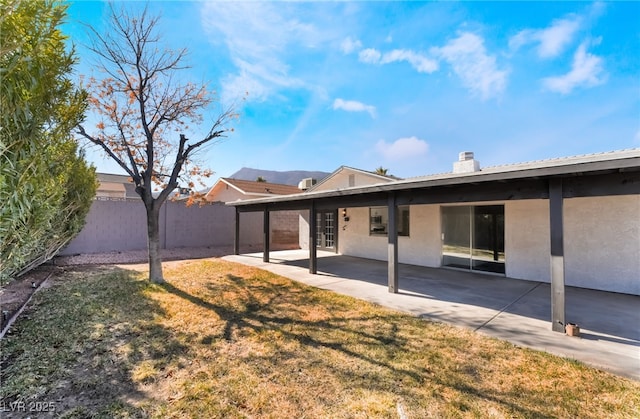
[509, 309]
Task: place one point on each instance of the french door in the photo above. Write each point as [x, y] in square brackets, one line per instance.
[326, 230]
[473, 237]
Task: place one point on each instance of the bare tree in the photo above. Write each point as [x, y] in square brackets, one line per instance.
[144, 108]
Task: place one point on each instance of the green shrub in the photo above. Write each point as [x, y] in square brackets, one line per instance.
[46, 186]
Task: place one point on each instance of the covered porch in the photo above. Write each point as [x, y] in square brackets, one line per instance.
[555, 181]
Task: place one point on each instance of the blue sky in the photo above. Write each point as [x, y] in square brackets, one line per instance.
[404, 85]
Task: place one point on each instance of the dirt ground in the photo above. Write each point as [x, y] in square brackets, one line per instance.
[14, 295]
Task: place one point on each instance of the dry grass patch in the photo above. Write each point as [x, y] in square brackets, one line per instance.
[225, 340]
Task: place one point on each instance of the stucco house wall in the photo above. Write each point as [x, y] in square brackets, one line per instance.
[303, 230]
[341, 182]
[602, 243]
[602, 240]
[527, 241]
[421, 247]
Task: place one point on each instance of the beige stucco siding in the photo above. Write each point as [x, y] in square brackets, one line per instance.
[341, 181]
[601, 240]
[354, 238]
[602, 243]
[527, 240]
[421, 247]
[227, 193]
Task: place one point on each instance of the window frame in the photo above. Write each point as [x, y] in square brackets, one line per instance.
[379, 216]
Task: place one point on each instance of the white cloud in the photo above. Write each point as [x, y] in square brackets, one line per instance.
[402, 148]
[552, 40]
[354, 106]
[470, 61]
[419, 62]
[586, 71]
[349, 45]
[258, 37]
[370, 56]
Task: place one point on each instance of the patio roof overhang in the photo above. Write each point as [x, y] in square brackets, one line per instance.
[608, 174]
[581, 177]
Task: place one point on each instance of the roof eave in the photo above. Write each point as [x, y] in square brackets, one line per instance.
[573, 169]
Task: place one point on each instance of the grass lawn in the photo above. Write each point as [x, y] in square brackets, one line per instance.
[224, 340]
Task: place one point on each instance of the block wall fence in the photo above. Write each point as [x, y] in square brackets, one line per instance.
[121, 226]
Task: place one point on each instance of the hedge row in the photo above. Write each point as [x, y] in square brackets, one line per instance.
[46, 186]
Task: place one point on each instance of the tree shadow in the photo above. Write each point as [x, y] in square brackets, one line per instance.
[283, 309]
[606, 313]
[80, 342]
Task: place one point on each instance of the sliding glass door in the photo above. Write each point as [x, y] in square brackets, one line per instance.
[473, 237]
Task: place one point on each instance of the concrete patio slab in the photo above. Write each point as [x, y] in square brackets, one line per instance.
[509, 309]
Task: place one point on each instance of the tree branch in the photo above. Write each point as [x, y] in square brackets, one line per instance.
[81, 131]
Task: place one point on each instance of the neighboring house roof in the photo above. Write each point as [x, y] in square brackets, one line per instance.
[615, 161]
[112, 177]
[250, 189]
[113, 186]
[364, 177]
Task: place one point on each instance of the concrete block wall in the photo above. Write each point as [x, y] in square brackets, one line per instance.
[121, 226]
[111, 226]
[284, 228]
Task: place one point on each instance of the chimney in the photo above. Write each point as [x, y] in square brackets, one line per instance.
[466, 163]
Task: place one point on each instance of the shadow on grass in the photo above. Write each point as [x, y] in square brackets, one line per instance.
[79, 343]
[334, 343]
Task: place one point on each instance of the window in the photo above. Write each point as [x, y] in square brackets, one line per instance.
[379, 221]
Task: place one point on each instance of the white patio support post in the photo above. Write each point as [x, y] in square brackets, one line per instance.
[236, 234]
[266, 238]
[313, 254]
[392, 235]
[557, 255]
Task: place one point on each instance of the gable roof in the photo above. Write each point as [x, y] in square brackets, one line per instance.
[253, 188]
[342, 169]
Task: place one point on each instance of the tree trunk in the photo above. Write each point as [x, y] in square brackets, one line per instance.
[153, 240]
